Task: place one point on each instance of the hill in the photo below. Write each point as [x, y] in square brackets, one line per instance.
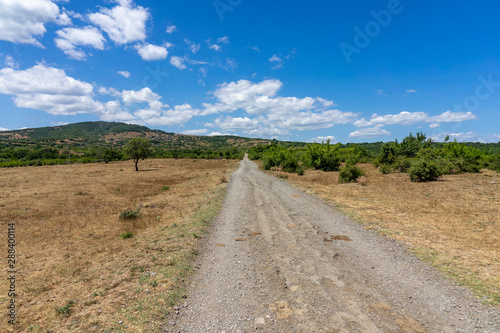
[84, 130]
[103, 133]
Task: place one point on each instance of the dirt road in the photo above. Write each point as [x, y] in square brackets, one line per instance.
[279, 260]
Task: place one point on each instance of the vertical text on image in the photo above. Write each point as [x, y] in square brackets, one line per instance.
[11, 273]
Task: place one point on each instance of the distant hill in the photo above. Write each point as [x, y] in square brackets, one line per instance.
[103, 133]
[85, 130]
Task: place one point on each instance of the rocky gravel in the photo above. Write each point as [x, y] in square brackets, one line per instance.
[280, 260]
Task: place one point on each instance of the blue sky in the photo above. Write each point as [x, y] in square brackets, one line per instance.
[351, 71]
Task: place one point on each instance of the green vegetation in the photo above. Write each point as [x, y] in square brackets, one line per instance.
[109, 154]
[91, 142]
[424, 171]
[282, 158]
[127, 234]
[385, 169]
[138, 149]
[458, 270]
[350, 173]
[418, 156]
[322, 157]
[85, 130]
[130, 214]
[65, 310]
[426, 161]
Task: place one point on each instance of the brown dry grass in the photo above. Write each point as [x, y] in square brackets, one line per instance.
[453, 223]
[69, 246]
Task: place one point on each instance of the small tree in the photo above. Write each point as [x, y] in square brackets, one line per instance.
[350, 173]
[424, 171]
[109, 155]
[138, 148]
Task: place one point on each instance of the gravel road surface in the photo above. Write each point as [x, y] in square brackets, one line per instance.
[280, 260]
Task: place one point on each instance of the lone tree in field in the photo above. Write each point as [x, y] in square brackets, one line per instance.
[138, 148]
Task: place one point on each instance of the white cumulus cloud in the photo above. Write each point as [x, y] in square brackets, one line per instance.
[369, 132]
[151, 52]
[125, 74]
[409, 118]
[277, 60]
[179, 114]
[70, 38]
[268, 113]
[170, 29]
[195, 132]
[48, 89]
[124, 23]
[10, 62]
[321, 139]
[193, 47]
[467, 137]
[145, 95]
[214, 47]
[177, 62]
[24, 21]
[223, 40]
[452, 117]
[109, 91]
[114, 112]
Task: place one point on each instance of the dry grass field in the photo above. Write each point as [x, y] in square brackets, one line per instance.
[454, 223]
[77, 271]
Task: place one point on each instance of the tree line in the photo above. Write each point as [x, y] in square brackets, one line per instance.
[417, 155]
[40, 154]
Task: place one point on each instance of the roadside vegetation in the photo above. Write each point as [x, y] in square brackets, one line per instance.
[37, 154]
[419, 157]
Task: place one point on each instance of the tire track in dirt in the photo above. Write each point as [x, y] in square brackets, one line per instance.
[279, 260]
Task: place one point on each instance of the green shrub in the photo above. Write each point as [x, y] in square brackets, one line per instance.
[350, 173]
[402, 164]
[130, 214]
[165, 188]
[388, 154]
[494, 163]
[66, 309]
[327, 162]
[300, 171]
[385, 169]
[127, 234]
[322, 157]
[424, 171]
[281, 158]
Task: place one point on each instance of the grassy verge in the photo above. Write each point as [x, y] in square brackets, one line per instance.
[150, 308]
[486, 289]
